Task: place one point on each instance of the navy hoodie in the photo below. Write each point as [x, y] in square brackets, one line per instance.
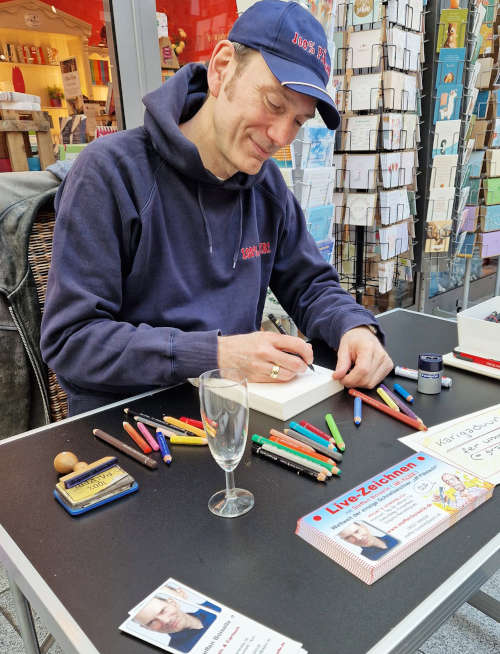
[154, 256]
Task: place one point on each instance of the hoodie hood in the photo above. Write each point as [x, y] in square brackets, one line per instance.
[175, 102]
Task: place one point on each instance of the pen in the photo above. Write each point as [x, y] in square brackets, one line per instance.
[136, 437]
[335, 432]
[165, 452]
[143, 417]
[125, 449]
[272, 318]
[358, 402]
[410, 373]
[288, 463]
[399, 415]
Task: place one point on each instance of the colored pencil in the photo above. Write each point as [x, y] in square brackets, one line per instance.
[125, 449]
[147, 435]
[316, 430]
[291, 441]
[311, 435]
[298, 468]
[144, 418]
[335, 432]
[291, 456]
[192, 421]
[301, 448]
[358, 411]
[137, 438]
[387, 399]
[185, 426]
[261, 440]
[328, 450]
[404, 393]
[165, 452]
[402, 406]
[399, 415]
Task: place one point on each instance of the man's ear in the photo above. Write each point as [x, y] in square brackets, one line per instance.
[219, 65]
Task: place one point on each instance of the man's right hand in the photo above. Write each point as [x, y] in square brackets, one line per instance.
[258, 353]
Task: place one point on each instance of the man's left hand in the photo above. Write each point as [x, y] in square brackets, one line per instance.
[362, 351]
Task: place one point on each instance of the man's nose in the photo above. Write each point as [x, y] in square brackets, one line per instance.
[282, 132]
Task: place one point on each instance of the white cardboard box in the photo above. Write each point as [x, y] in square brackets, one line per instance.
[477, 335]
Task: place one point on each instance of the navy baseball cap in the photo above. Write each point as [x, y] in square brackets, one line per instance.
[293, 44]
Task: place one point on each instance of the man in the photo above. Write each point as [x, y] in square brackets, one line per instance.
[461, 494]
[165, 616]
[168, 235]
[372, 547]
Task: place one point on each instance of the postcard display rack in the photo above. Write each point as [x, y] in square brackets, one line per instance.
[377, 78]
[455, 195]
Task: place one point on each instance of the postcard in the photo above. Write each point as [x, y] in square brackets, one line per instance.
[446, 137]
[361, 12]
[317, 146]
[489, 244]
[313, 186]
[440, 204]
[450, 66]
[452, 29]
[447, 104]
[465, 245]
[444, 170]
[394, 206]
[403, 49]
[319, 221]
[362, 133]
[390, 167]
[326, 249]
[338, 164]
[365, 49]
[393, 240]
[360, 208]
[385, 276]
[476, 163]
[178, 619]
[486, 67]
[495, 134]
[339, 206]
[492, 190]
[493, 163]
[490, 218]
[339, 91]
[361, 171]
[468, 220]
[400, 91]
[408, 167]
[438, 236]
[364, 92]
[392, 128]
[407, 13]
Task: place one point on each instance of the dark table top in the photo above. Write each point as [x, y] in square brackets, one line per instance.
[102, 563]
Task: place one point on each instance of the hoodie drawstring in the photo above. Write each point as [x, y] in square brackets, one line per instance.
[207, 226]
[205, 221]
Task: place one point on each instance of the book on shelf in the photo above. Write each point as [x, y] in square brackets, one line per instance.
[379, 523]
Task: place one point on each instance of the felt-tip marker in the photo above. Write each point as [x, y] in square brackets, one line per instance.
[272, 318]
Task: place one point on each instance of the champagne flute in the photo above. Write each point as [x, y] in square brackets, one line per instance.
[224, 411]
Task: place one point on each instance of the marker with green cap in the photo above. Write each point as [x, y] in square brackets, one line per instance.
[334, 430]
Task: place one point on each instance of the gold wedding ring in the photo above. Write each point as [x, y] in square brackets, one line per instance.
[275, 371]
